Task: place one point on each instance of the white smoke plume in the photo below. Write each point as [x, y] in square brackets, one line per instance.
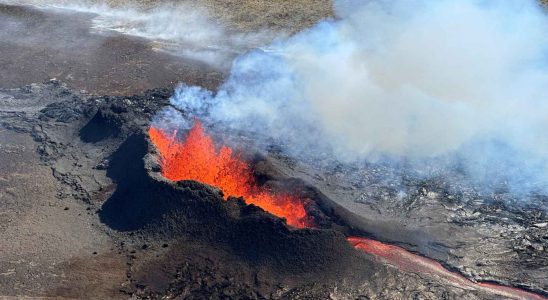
[181, 28]
[464, 81]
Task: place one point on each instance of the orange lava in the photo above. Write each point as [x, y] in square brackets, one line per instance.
[197, 158]
[409, 262]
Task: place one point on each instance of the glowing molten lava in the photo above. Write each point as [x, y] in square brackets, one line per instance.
[197, 159]
[409, 262]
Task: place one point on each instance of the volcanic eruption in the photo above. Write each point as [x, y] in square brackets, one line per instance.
[397, 88]
[386, 149]
[198, 158]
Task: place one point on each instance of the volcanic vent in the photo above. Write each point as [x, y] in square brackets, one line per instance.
[198, 159]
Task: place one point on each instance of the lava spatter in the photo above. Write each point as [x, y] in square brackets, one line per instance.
[197, 158]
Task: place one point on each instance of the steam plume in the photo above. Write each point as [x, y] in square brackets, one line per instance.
[183, 28]
[463, 81]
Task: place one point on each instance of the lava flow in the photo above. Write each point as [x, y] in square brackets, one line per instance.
[197, 159]
[407, 261]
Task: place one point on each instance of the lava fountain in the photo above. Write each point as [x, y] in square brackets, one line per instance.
[197, 158]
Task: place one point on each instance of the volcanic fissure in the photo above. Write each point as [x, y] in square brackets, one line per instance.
[198, 158]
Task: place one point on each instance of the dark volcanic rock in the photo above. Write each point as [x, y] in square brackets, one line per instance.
[104, 124]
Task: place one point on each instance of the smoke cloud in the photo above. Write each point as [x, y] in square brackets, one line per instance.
[427, 81]
[183, 28]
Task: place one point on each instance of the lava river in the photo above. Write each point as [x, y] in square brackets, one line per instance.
[197, 158]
